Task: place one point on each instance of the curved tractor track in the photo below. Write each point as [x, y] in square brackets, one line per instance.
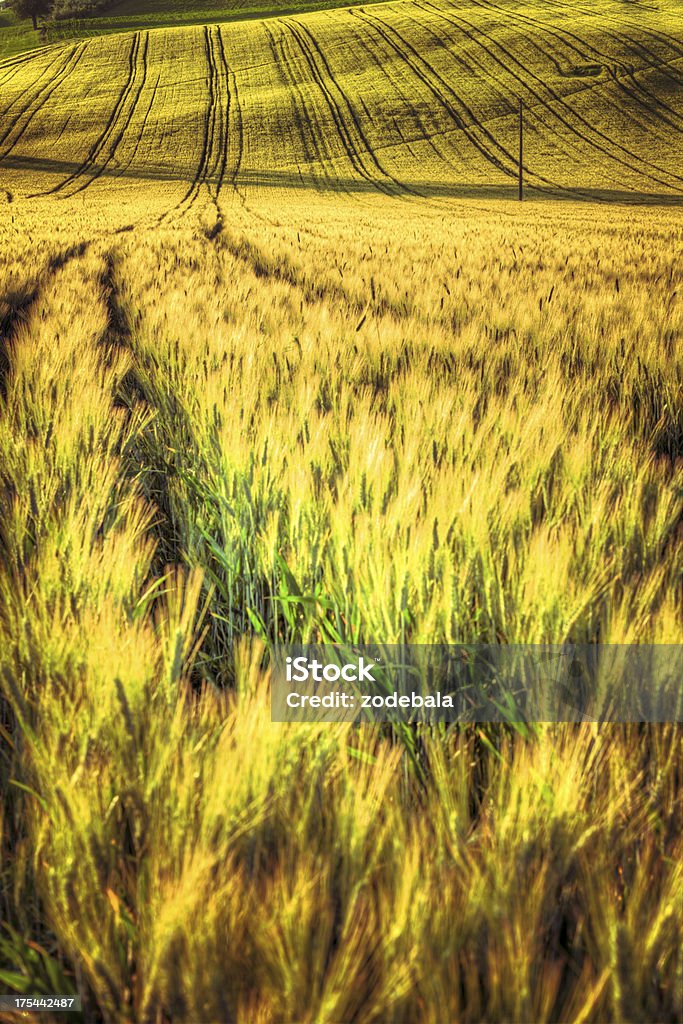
[103, 150]
[539, 92]
[219, 160]
[346, 119]
[38, 97]
[561, 42]
[444, 94]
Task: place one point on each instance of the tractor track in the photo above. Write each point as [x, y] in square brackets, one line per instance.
[133, 91]
[45, 96]
[16, 65]
[225, 121]
[603, 141]
[405, 99]
[88, 168]
[38, 98]
[492, 151]
[630, 86]
[328, 85]
[234, 173]
[200, 173]
[312, 152]
[234, 112]
[11, 73]
[621, 73]
[23, 58]
[211, 151]
[138, 90]
[337, 118]
[654, 60]
[143, 126]
[564, 34]
[569, 139]
[662, 37]
[320, 138]
[588, 52]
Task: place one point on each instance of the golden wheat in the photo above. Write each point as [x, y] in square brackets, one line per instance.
[253, 387]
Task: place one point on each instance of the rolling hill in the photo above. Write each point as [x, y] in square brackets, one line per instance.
[416, 98]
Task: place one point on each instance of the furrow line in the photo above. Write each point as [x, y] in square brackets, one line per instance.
[27, 88]
[217, 122]
[101, 140]
[365, 147]
[312, 153]
[569, 139]
[319, 81]
[211, 163]
[646, 99]
[489, 148]
[323, 154]
[58, 80]
[333, 106]
[35, 97]
[234, 112]
[209, 123]
[360, 42]
[655, 59]
[320, 87]
[662, 37]
[587, 52]
[507, 64]
[223, 82]
[240, 132]
[142, 127]
[23, 58]
[620, 39]
[11, 71]
[135, 94]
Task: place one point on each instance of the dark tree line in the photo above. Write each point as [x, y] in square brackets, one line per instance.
[33, 9]
[40, 10]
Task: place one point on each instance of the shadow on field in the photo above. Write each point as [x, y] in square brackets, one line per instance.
[285, 178]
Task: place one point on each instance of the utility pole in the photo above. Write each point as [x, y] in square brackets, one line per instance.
[521, 150]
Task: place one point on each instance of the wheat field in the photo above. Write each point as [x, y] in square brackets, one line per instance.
[412, 99]
[283, 359]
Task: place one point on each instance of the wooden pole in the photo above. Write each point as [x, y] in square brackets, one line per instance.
[521, 150]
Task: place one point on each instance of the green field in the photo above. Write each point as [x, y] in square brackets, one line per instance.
[283, 359]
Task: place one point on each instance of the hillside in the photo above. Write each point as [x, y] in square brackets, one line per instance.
[17, 35]
[415, 98]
